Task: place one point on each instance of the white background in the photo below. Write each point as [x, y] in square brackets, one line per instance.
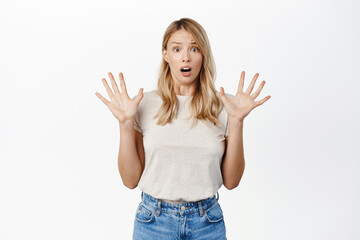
[59, 143]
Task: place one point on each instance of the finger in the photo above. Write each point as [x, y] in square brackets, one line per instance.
[241, 82]
[106, 102]
[258, 103]
[139, 96]
[223, 96]
[108, 90]
[255, 94]
[113, 84]
[122, 84]
[252, 83]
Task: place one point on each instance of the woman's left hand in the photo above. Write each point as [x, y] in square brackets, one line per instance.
[242, 103]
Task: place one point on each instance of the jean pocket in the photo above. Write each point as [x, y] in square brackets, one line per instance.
[214, 213]
[143, 214]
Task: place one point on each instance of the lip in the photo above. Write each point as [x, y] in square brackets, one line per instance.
[187, 66]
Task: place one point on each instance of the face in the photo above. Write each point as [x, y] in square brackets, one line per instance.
[183, 54]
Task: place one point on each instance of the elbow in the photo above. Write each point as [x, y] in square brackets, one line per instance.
[230, 184]
[128, 183]
[231, 187]
[130, 186]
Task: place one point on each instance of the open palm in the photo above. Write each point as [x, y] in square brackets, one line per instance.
[121, 105]
[243, 103]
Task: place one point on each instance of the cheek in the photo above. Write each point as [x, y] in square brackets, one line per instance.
[198, 61]
[175, 57]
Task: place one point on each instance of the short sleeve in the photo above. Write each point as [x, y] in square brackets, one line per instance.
[137, 124]
[227, 119]
[227, 128]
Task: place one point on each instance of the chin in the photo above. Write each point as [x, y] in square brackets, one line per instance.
[188, 80]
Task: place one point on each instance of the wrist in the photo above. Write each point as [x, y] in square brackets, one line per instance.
[127, 123]
[235, 121]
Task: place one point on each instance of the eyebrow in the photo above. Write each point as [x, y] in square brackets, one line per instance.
[181, 43]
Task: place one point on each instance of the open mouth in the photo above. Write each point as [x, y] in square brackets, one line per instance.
[185, 70]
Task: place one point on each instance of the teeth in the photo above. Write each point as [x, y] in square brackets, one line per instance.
[185, 69]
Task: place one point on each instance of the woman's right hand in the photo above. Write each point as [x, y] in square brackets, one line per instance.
[121, 105]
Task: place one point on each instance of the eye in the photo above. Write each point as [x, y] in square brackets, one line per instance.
[176, 49]
[195, 49]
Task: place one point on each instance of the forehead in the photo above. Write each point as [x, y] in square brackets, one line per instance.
[182, 36]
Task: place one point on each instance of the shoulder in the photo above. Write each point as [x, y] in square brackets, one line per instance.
[228, 95]
[223, 113]
[150, 92]
[150, 102]
[148, 95]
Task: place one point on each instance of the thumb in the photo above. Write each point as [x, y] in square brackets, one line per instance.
[139, 96]
[223, 96]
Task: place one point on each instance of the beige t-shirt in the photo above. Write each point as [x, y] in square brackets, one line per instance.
[181, 164]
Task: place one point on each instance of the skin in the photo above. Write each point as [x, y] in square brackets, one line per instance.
[131, 157]
[238, 107]
[183, 51]
[121, 105]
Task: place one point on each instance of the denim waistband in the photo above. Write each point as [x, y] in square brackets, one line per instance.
[159, 205]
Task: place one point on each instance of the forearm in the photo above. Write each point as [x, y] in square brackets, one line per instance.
[233, 164]
[128, 160]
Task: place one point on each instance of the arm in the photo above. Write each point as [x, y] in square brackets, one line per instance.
[233, 164]
[238, 108]
[131, 155]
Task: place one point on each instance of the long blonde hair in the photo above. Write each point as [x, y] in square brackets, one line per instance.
[205, 103]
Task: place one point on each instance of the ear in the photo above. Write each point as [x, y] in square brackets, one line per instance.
[165, 55]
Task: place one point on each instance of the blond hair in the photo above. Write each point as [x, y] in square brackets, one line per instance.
[205, 103]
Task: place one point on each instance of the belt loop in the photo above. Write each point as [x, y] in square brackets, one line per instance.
[217, 198]
[158, 211]
[142, 196]
[201, 211]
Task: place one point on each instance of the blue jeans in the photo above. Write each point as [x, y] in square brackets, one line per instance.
[159, 220]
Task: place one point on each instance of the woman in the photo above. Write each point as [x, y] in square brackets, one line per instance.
[178, 164]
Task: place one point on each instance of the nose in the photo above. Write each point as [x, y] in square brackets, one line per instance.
[186, 56]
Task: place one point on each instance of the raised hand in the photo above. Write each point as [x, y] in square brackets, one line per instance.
[243, 103]
[121, 105]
